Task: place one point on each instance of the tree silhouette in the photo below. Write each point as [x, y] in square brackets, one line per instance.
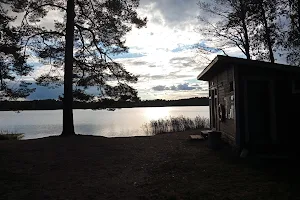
[84, 42]
[231, 29]
[292, 44]
[265, 17]
[12, 61]
[251, 25]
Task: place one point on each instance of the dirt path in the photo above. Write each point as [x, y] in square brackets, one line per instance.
[166, 166]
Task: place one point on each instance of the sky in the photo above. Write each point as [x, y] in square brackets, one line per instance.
[162, 53]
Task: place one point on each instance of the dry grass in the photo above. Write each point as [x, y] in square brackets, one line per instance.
[175, 124]
[6, 135]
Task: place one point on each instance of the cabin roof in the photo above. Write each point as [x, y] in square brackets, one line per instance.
[220, 62]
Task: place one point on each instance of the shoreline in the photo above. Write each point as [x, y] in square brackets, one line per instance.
[104, 109]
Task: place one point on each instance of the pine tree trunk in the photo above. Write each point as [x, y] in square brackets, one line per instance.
[247, 45]
[267, 35]
[246, 35]
[68, 123]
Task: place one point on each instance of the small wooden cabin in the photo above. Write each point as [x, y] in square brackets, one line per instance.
[254, 103]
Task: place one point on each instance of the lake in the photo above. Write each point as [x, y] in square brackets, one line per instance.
[125, 122]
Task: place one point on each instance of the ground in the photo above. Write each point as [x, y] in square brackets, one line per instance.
[167, 166]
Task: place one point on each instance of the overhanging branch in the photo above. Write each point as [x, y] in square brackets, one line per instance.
[38, 7]
[39, 34]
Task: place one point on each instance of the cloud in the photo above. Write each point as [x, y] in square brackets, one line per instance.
[183, 62]
[47, 21]
[128, 55]
[156, 77]
[162, 54]
[179, 87]
[185, 86]
[164, 74]
[170, 76]
[172, 12]
[179, 59]
[160, 88]
[139, 63]
[184, 47]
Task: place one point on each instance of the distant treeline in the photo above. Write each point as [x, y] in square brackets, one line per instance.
[51, 104]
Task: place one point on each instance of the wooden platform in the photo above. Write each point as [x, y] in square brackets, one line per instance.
[196, 137]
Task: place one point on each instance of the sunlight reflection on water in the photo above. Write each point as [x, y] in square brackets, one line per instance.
[125, 122]
[157, 113]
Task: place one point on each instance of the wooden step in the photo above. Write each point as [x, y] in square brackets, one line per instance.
[196, 137]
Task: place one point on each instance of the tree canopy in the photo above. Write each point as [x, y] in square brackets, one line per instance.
[226, 24]
[12, 61]
[80, 45]
[261, 29]
[292, 43]
[99, 30]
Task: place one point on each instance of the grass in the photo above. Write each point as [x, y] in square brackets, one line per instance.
[6, 135]
[175, 124]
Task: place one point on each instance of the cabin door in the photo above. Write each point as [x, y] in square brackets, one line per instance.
[258, 112]
[213, 108]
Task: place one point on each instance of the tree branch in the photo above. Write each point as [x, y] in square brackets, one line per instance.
[42, 33]
[51, 5]
[36, 8]
[236, 40]
[99, 50]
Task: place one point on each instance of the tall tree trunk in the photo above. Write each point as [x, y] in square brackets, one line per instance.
[68, 123]
[267, 35]
[246, 35]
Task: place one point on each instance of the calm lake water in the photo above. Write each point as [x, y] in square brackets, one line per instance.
[124, 122]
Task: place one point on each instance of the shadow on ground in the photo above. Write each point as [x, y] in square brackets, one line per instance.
[167, 166]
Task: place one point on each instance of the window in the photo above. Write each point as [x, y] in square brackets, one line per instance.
[296, 86]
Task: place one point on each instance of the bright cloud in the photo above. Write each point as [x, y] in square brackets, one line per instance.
[163, 54]
[169, 65]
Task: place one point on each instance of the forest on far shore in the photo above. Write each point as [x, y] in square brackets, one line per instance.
[52, 104]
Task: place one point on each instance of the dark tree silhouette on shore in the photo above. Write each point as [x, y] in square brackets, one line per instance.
[52, 104]
[83, 42]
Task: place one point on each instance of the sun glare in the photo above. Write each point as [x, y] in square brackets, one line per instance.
[155, 113]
